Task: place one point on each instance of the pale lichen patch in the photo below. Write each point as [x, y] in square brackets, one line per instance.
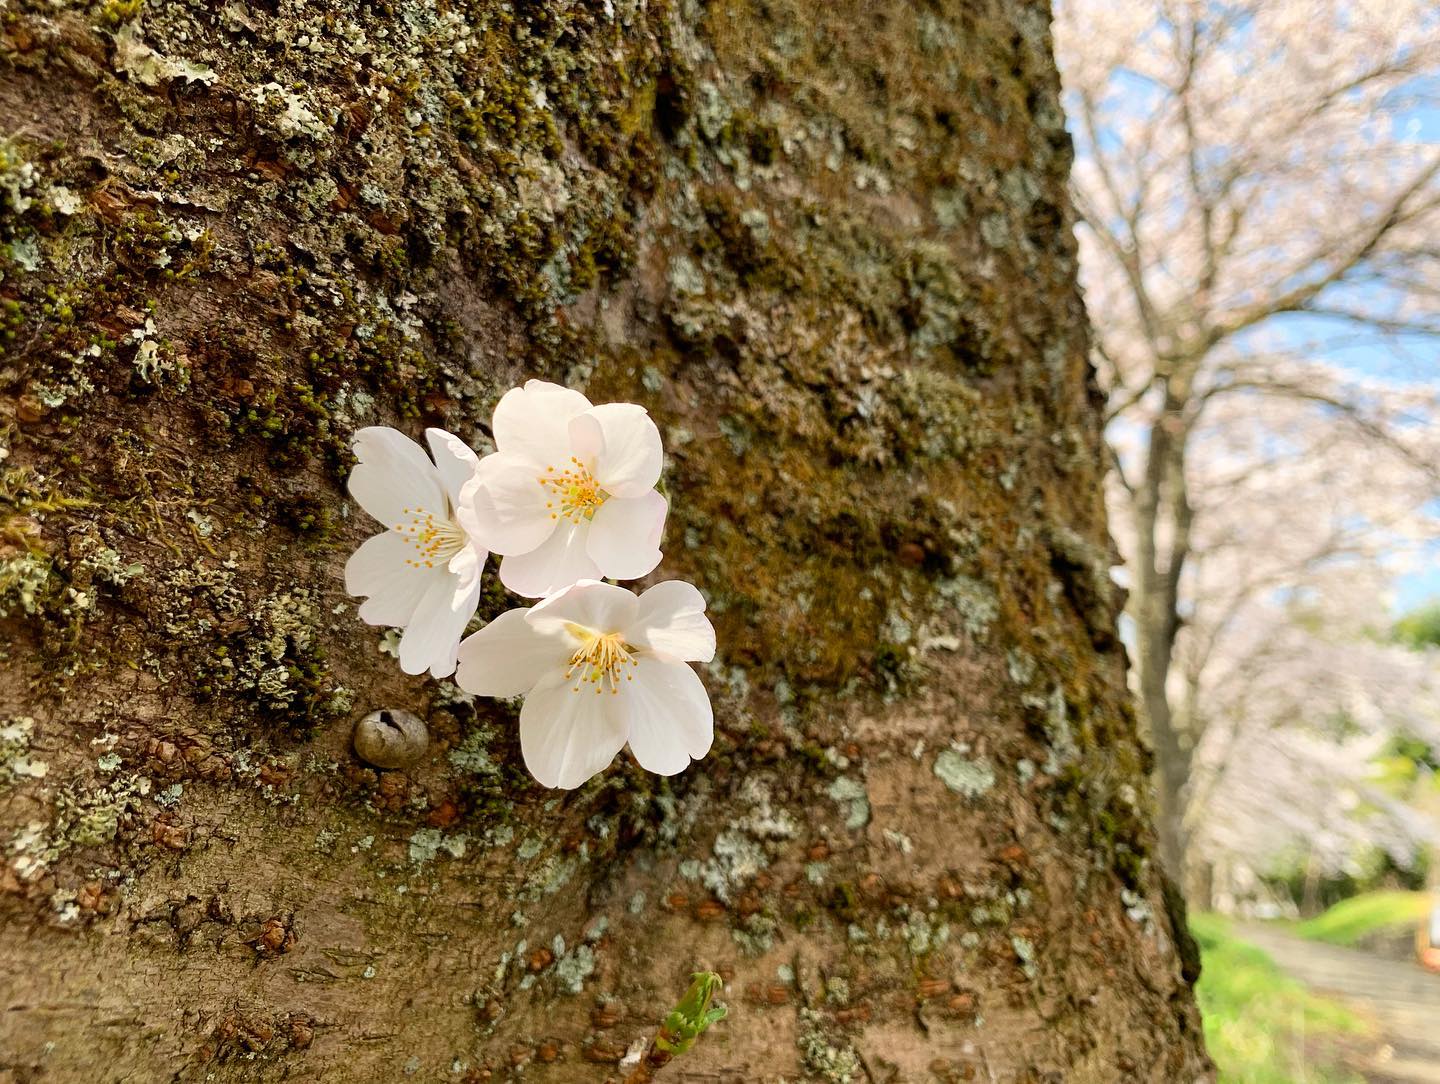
[967, 777]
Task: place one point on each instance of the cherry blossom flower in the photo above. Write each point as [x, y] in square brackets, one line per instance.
[570, 492]
[423, 573]
[598, 668]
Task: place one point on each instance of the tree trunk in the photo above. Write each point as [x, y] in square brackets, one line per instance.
[1162, 515]
[828, 246]
[1172, 774]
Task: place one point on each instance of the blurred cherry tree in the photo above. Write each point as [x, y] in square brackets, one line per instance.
[1259, 188]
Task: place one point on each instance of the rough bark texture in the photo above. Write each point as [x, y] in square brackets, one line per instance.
[827, 244]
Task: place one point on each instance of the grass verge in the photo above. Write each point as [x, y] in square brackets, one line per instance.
[1349, 921]
[1261, 1026]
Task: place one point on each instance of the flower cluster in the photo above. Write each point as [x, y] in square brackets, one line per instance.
[567, 500]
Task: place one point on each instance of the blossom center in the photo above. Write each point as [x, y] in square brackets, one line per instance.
[435, 540]
[601, 660]
[574, 494]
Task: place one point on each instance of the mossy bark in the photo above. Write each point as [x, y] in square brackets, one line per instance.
[828, 246]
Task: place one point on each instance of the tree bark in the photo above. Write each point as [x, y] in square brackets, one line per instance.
[828, 246]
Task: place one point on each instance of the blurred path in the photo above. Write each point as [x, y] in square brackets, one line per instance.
[1402, 998]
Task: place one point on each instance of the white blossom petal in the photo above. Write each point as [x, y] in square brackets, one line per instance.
[628, 457]
[625, 535]
[668, 713]
[533, 422]
[601, 607]
[509, 656]
[455, 462]
[587, 438]
[466, 566]
[504, 506]
[433, 635]
[567, 736]
[671, 622]
[378, 570]
[559, 562]
[394, 474]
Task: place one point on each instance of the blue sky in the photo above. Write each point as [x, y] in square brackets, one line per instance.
[1417, 589]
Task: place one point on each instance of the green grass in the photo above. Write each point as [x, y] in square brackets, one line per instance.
[1375, 912]
[1261, 1026]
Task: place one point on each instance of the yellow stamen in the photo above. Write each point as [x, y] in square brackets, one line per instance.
[433, 539]
[575, 489]
[600, 660]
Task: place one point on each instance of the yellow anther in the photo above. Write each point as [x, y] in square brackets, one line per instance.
[433, 538]
[600, 660]
[576, 490]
